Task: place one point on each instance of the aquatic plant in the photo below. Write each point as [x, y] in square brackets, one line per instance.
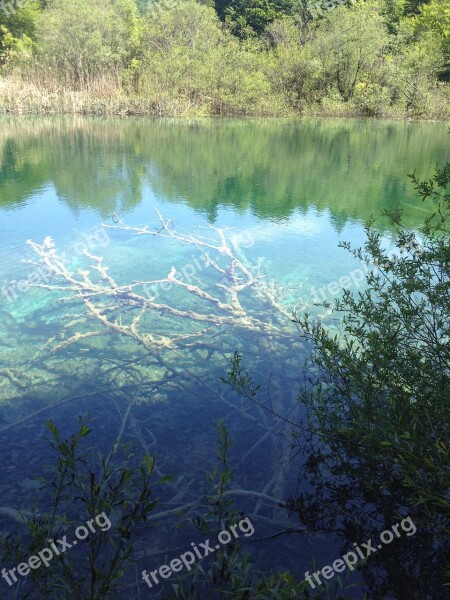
[115, 487]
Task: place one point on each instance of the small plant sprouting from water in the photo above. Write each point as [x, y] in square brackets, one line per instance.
[231, 573]
[81, 491]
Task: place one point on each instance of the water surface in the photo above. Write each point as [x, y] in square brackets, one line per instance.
[283, 192]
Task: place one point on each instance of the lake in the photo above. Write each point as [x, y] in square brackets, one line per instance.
[220, 229]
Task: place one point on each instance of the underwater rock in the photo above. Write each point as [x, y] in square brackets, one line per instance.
[12, 514]
[30, 484]
[8, 322]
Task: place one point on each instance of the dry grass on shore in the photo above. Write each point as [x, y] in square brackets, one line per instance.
[106, 97]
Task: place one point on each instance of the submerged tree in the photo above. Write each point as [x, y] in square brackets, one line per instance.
[160, 332]
[217, 292]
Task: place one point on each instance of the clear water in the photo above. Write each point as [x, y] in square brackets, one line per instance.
[285, 192]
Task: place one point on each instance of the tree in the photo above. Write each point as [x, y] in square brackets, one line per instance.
[380, 395]
[83, 42]
[247, 18]
[189, 59]
[434, 17]
[17, 30]
[377, 398]
[350, 43]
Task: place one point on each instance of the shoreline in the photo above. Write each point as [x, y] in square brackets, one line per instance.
[19, 98]
[128, 114]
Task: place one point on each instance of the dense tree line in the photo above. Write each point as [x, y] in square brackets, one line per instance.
[374, 57]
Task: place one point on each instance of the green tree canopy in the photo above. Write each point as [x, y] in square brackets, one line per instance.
[17, 29]
[103, 37]
[247, 18]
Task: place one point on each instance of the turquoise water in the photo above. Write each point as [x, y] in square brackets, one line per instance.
[282, 194]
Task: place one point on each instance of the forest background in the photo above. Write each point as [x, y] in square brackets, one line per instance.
[382, 58]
